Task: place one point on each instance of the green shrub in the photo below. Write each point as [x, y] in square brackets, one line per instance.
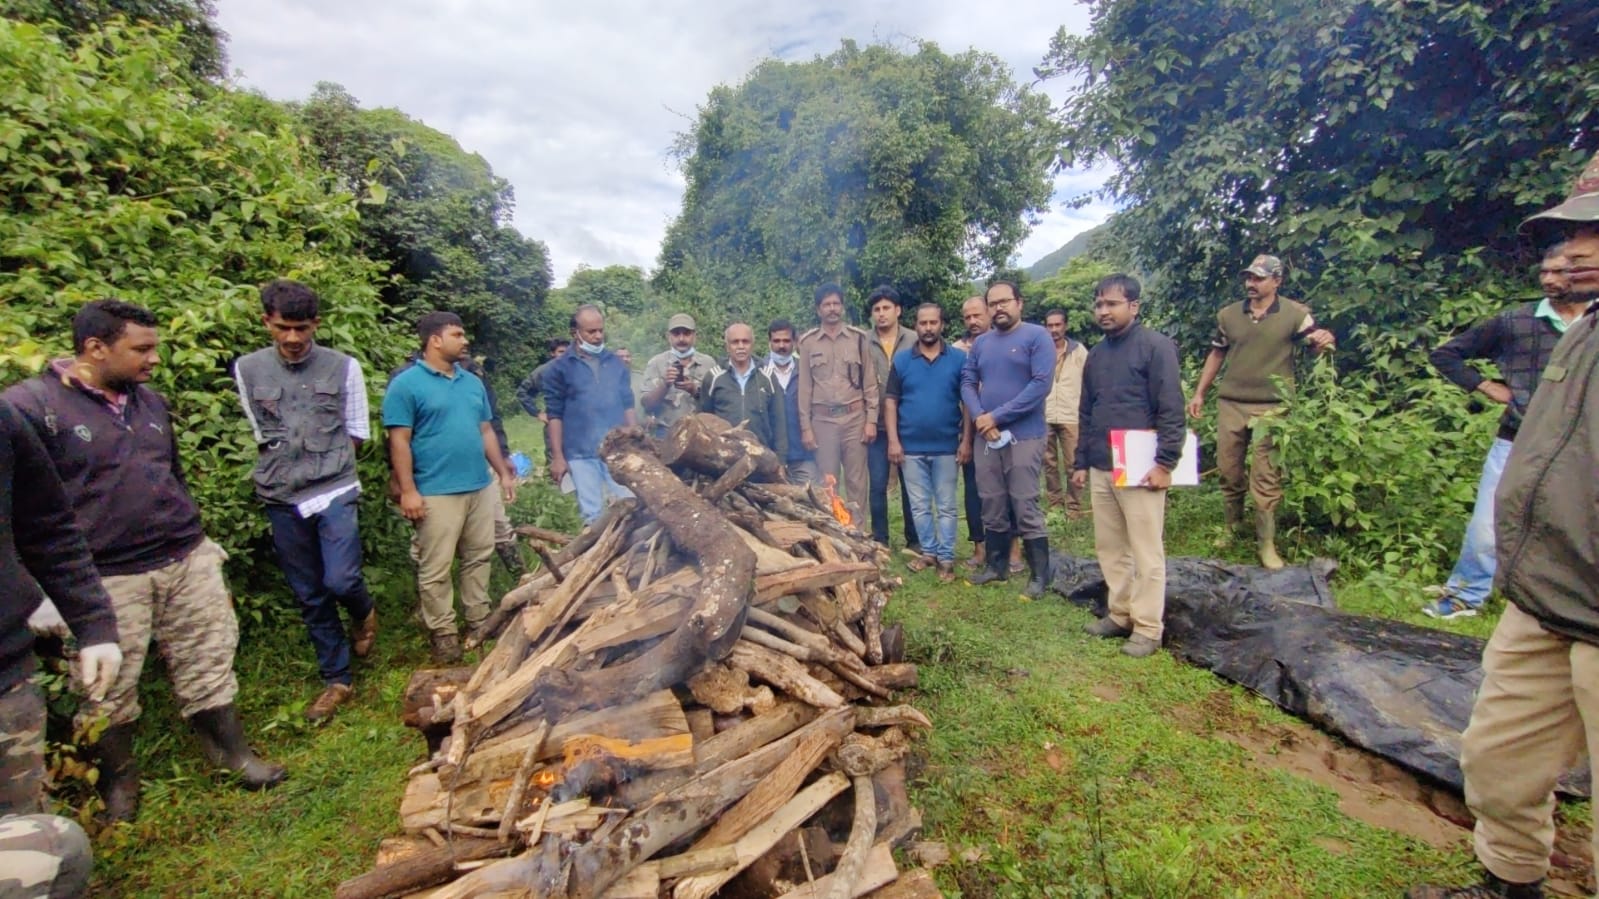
[119, 180]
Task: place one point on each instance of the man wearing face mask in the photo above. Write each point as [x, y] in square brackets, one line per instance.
[587, 392]
[672, 379]
[800, 462]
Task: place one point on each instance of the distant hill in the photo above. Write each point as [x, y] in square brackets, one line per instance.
[1057, 259]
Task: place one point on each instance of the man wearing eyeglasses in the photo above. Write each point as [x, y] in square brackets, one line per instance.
[1004, 384]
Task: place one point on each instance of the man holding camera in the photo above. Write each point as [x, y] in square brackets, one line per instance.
[672, 379]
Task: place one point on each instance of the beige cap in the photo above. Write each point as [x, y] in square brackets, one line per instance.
[682, 321]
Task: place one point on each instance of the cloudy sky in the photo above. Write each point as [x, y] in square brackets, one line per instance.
[578, 103]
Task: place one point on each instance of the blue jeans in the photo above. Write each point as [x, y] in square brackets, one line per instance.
[930, 481]
[877, 474]
[592, 482]
[321, 559]
[1473, 577]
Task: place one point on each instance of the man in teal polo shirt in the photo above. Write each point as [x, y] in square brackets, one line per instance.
[445, 457]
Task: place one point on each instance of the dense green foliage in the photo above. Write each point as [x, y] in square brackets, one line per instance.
[118, 180]
[200, 42]
[864, 167]
[1387, 152]
[441, 227]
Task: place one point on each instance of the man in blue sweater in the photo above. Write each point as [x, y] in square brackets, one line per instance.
[1005, 382]
[927, 439]
[587, 392]
[1131, 381]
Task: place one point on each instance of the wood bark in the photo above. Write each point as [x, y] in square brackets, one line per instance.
[419, 870]
[709, 445]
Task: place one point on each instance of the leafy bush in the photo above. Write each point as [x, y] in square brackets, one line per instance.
[120, 181]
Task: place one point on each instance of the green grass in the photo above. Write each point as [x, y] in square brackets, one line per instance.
[1057, 767]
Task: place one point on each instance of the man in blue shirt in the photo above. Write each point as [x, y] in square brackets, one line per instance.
[587, 392]
[927, 435]
[1005, 383]
[445, 457]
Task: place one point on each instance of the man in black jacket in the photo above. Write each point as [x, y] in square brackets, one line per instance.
[1131, 382]
[1538, 707]
[41, 854]
[1519, 341]
[114, 446]
[741, 392]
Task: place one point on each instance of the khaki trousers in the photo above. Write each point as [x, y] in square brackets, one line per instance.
[187, 609]
[456, 525]
[1237, 444]
[1536, 712]
[1129, 539]
[838, 445]
[1060, 454]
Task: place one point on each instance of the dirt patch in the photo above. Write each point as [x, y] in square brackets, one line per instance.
[1372, 789]
[1107, 692]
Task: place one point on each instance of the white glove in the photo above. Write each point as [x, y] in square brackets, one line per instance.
[97, 668]
[46, 621]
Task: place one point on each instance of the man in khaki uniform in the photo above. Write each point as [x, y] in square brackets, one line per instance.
[838, 398]
[1256, 337]
[1060, 412]
[1537, 710]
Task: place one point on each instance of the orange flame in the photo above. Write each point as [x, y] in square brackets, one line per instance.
[840, 511]
[545, 779]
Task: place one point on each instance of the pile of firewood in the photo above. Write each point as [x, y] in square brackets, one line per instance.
[692, 697]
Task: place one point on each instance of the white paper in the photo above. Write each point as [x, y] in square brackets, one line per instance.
[1137, 457]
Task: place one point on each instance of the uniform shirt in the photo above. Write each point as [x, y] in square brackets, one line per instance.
[1259, 349]
[445, 413]
[833, 374]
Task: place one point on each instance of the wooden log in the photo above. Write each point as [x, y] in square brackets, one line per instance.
[729, 691]
[550, 564]
[656, 720]
[850, 866]
[890, 716]
[726, 565]
[545, 534]
[744, 739]
[616, 513]
[896, 676]
[770, 794]
[825, 611]
[707, 444]
[594, 865]
[914, 884]
[722, 486]
[524, 772]
[872, 625]
[419, 870]
[863, 755]
[783, 673]
[838, 574]
[770, 560]
[828, 657]
[760, 839]
[878, 870]
[429, 692]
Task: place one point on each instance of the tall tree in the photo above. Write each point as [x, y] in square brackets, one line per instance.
[439, 219]
[867, 166]
[1375, 144]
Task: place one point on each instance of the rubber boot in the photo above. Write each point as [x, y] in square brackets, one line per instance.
[1037, 551]
[119, 774]
[1266, 533]
[222, 737]
[1232, 515]
[996, 549]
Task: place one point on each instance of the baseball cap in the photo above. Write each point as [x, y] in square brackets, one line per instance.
[1264, 266]
[1581, 205]
[683, 321]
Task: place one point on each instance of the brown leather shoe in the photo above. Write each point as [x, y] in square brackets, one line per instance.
[446, 649]
[323, 707]
[364, 634]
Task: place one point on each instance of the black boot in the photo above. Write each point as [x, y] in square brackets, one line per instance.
[119, 774]
[1490, 888]
[1036, 549]
[222, 737]
[996, 550]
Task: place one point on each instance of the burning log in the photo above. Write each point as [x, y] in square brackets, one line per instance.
[699, 668]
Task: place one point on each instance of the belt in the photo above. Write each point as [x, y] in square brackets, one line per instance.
[837, 408]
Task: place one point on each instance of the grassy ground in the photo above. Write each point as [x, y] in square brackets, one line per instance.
[1057, 767]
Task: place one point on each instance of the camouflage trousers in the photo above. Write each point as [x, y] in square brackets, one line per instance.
[21, 751]
[187, 609]
[43, 857]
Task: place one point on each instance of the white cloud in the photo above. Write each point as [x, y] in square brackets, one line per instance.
[577, 104]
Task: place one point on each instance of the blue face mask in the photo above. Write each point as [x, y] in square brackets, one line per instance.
[783, 359]
[682, 354]
[593, 349]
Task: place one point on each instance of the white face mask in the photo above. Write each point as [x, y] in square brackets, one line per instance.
[783, 359]
[593, 349]
[683, 354]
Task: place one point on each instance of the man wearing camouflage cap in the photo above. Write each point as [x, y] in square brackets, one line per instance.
[1538, 707]
[1256, 337]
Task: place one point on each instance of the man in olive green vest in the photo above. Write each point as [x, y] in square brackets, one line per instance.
[1256, 338]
